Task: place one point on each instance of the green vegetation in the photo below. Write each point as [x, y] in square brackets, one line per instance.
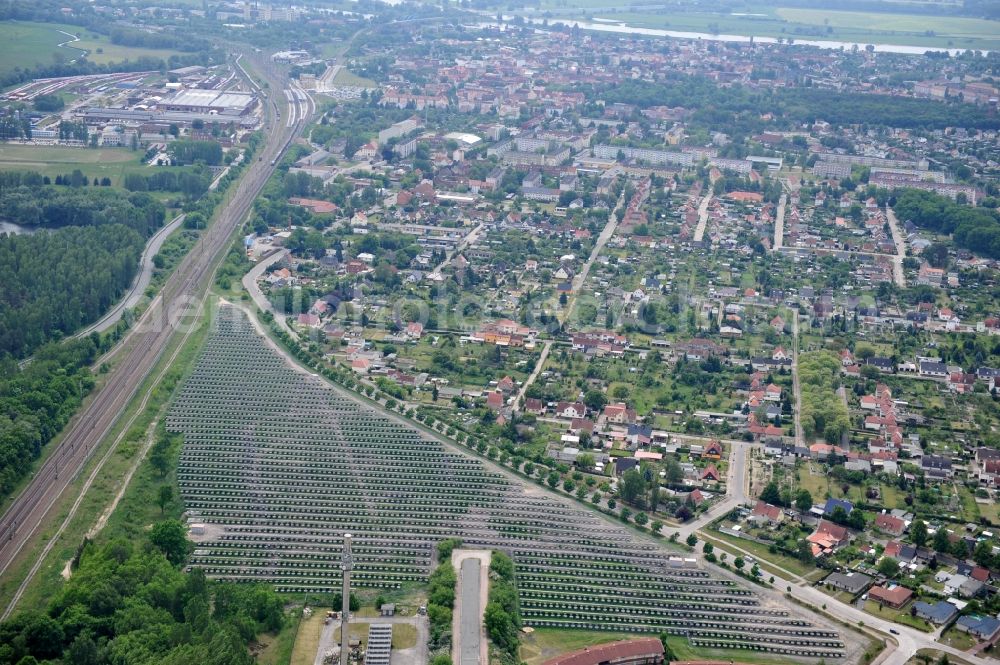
[188, 152]
[51, 286]
[544, 643]
[823, 413]
[502, 616]
[52, 161]
[441, 597]
[48, 268]
[346, 77]
[976, 229]
[26, 45]
[37, 400]
[307, 640]
[190, 183]
[30, 49]
[906, 24]
[738, 108]
[892, 28]
[127, 603]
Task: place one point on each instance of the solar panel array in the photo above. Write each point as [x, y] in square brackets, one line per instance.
[279, 465]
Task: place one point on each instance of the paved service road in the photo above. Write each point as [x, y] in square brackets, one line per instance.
[897, 238]
[779, 223]
[170, 312]
[253, 288]
[469, 621]
[736, 490]
[699, 231]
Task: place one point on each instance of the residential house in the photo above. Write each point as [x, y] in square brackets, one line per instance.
[766, 513]
[983, 628]
[827, 538]
[853, 583]
[890, 525]
[894, 596]
[570, 410]
[939, 613]
[936, 468]
[619, 413]
[832, 504]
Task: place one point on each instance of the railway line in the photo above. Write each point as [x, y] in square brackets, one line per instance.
[179, 300]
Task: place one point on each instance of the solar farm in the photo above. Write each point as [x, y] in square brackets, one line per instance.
[278, 465]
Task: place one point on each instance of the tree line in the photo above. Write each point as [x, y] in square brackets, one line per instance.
[502, 616]
[190, 183]
[160, 40]
[823, 413]
[441, 599]
[976, 229]
[740, 107]
[127, 602]
[189, 151]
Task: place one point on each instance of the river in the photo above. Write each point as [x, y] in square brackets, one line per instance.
[623, 28]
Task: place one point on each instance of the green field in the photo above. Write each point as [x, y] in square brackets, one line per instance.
[943, 25]
[102, 51]
[114, 163]
[799, 24]
[545, 643]
[345, 77]
[26, 45]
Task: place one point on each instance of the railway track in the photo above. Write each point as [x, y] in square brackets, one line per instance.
[179, 299]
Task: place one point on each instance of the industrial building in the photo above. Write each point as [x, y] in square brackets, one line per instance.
[211, 101]
[98, 115]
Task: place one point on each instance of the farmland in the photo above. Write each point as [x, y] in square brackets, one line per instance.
[279, 465]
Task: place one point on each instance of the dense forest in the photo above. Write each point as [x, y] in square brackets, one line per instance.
[740, 107]
[37, 400]
[86, 270]
[128, 603]
[28, 203]
[975, 229]
[90, 257]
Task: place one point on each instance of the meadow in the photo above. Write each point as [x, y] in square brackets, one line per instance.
[113, 163]
[25, 45]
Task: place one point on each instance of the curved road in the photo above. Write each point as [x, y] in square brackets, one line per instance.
[176, 307]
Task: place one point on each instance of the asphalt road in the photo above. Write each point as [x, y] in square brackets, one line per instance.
[779, 223]
[736, 490]
[699, 231]
[469, 622]
[897, 238]
[176, 306]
